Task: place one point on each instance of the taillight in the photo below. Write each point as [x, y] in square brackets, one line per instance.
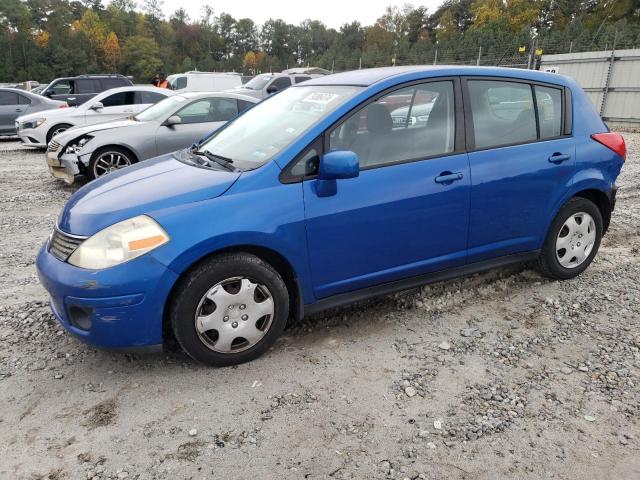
[64, 105]
[613, 141]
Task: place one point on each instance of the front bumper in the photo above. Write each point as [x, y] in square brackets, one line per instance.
[31, 137]
[65, 167]
[120, 307]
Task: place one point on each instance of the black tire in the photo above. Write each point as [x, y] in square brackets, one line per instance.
[56, 129]
[90, 170]
[196, 283]
[548, 263]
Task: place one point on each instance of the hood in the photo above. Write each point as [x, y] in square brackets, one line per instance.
[53, 112]
[161, 183]
[75, 132]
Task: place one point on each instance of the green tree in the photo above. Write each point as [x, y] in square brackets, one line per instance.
[141, 57]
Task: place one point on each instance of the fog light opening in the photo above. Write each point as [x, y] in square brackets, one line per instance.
[80, 317]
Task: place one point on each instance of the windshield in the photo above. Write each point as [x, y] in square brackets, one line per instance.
[272, 125]
[159, 111]
[257, 83]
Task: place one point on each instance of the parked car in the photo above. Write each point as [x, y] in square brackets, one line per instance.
[204, 81]
[15, 102]
[169, 125]
[77, 90]
[261, 86]
[37, 130]
[291, 209]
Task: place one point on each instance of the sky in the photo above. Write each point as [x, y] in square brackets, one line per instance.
[332, 13]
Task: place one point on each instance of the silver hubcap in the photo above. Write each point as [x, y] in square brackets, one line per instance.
[108, 162]
[234, 315]
[575, 240]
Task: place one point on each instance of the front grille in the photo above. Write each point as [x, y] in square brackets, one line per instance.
[62, 245]
[53, 146]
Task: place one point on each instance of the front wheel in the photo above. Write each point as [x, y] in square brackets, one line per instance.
[107, 160]
[572, 241]
[229, 310]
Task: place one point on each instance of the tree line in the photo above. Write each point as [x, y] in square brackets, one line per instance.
[44, 39]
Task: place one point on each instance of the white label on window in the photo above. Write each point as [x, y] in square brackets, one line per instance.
[320, 98]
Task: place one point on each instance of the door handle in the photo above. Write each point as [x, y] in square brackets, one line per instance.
[559, 158]
[448, 177]
[18, 110]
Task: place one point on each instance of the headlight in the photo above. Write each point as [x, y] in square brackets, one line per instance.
[119, 243]
[76, 145]
[35, 123]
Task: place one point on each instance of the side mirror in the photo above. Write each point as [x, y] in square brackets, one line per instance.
[173, 120]
[97, 106]
[272, 89]
[336, 165]
[72, 101]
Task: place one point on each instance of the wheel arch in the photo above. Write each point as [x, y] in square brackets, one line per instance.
[89, 156]
[270, 256]
[602, 202]
[49, 135]
[597, 190]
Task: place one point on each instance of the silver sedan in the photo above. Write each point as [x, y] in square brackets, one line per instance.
[169, 125]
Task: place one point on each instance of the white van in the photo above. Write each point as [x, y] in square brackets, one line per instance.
[204, 81]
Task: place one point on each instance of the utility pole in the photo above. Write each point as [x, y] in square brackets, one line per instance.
[479, 55]
[360, 64]
[435, 59]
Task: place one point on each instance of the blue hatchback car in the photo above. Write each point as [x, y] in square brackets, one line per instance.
[344, 187]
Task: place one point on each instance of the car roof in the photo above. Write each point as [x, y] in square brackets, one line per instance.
[239, 96]
[26, 93]
[370, 76]
[139, 88]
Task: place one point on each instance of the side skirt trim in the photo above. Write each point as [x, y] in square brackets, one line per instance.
[413, 282]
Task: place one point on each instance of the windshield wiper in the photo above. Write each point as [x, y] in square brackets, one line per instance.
[219, 159]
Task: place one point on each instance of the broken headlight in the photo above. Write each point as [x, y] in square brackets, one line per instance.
[76, 145]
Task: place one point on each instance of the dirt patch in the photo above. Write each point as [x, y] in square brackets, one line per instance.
[101, 415]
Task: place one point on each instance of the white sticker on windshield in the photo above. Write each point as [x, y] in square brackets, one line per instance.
[321, 98]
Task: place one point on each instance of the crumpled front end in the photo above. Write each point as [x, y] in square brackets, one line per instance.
[65, 166]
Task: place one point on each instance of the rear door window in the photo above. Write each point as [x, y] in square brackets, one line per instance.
[549, 104]
[149, 97]
[24, 100]
[87, 85]
[119, 99]
[503, 113]
[8, 98]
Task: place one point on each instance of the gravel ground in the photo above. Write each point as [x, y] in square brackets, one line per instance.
[499, 375]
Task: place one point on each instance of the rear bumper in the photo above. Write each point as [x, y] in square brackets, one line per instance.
[614, 192]
[117, 308]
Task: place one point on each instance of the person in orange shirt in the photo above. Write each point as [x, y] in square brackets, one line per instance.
[162, 81]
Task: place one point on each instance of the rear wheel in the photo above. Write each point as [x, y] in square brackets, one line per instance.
[229, 310]
[107, 160]
[572, 241]
[55, 130]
